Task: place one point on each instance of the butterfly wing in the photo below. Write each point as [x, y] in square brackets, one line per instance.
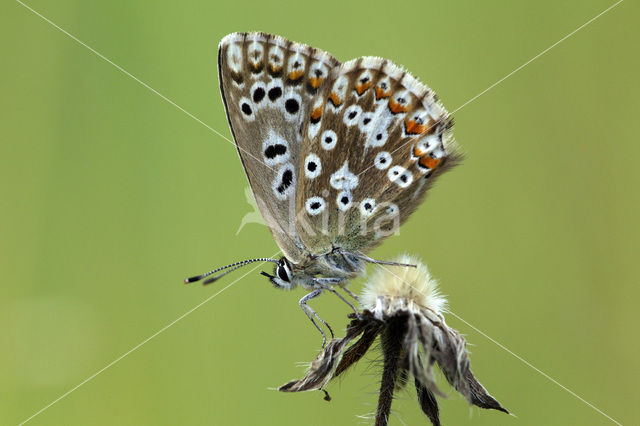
[375, 142]
[268, 85]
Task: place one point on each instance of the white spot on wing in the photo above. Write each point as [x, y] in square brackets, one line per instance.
[272, 149]
[400, 176]
[314, 205]
[339, 88]
[255, 55]
[391, 214]
[254, 95]
[272, 85]
[343, 179]
[291, 96]
[367, 207]
[366, 122]
[276, 57]
[312, 166]
[313, 128]
[328, 140]
[344, 200]
[280, 190]
[382, 160]
[363, 80]
[247, 109]
[318, 70]
[352, 115]
[234, 57]
[296, 63]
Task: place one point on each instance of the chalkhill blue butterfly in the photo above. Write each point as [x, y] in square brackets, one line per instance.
[337, 155]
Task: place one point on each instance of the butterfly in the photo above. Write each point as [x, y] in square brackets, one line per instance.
[337, 155]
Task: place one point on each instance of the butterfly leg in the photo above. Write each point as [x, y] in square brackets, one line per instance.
[348, 261]
[326, 284]
[350, 293]
[381, 262]
[311, 314]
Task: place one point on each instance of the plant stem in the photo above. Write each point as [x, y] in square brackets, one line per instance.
[391, 342]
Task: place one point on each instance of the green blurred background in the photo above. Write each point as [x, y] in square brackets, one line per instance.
[111, 196]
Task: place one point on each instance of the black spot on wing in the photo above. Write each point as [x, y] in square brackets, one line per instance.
[287, 180]
[258, 95]
[292, 106]
[274, 93]
[274, 150]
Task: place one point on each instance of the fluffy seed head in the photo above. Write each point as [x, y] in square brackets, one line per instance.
[394, 288]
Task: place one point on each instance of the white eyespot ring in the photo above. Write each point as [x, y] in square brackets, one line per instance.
[340, 85]
[247, 109]
[312, 166]
[314, 205]
[284, 183]
[275, 92]
[368, 207]
[400, 176]
[318, 70]
[296, 63]
[382, 160]
[328, 140]
[292, 103]
[275, 149]
[378, 137]
[234, 57]
[392, 210]
[366, 122]
[276, 57]
[258, 93]
[343, 178]
[255, 53]
[352, 115]
[344, 200]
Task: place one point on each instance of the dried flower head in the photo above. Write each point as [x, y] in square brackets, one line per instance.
[403, 308]
[394, 289]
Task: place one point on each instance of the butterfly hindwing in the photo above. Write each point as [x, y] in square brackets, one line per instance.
[375, 142]
[268, 86]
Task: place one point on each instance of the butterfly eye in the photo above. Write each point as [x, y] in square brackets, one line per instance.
[283, 273]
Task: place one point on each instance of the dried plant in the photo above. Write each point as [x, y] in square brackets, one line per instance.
[402, 307]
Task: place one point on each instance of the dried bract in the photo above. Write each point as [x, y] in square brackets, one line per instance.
[403, 308]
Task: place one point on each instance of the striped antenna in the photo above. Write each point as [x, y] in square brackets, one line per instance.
[233, 267]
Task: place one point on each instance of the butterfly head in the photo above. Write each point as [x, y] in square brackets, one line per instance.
[282, 275]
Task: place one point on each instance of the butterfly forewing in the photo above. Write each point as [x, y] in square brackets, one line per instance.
[369, 156]
[268, 86]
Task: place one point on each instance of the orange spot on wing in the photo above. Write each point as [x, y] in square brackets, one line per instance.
[294, 75]
[396, 107]
[335, 99]
[315, 82]
[316, 113]
[360, 88]
[412, 127]
[429, 162]
[417, 152]
[381, 93]
[275, 68]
